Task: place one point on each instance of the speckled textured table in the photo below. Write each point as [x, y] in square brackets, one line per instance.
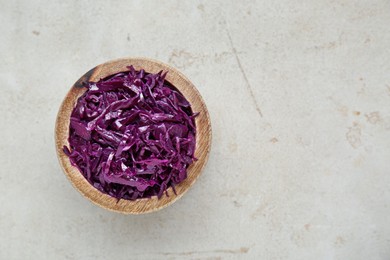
[299, 96]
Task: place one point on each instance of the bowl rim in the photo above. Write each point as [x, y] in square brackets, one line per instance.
[203, 136]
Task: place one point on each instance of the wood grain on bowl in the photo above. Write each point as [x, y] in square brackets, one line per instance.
[203, 136]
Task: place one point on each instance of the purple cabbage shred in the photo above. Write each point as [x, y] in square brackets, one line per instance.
[132, 135]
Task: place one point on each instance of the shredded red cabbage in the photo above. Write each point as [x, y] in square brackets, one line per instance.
[132, 135]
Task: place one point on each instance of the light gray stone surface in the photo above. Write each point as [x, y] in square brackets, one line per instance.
[299, 96]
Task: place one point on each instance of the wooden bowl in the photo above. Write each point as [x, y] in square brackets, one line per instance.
[203, 136]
